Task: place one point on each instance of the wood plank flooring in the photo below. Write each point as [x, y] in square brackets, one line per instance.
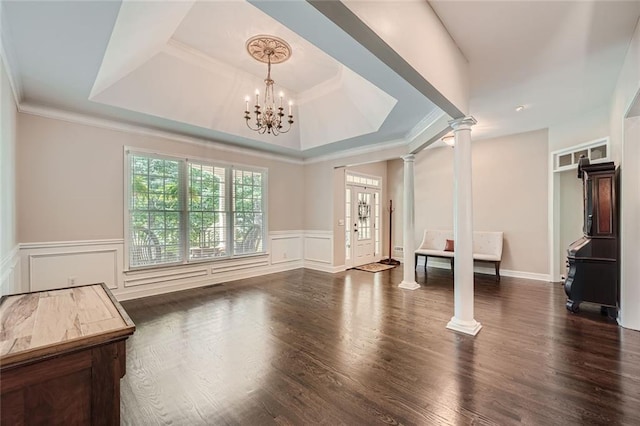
[306, 347]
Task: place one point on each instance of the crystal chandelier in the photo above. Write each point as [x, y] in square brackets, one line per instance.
[268, 116]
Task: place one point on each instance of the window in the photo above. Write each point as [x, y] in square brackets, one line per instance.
[154, 218]
[567, 159]
[207, 211]
[247, 211]
[182, 211]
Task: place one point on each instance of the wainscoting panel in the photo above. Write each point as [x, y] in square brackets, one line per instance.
[286, 247]
[69, 264]
[318, 247]
[318, 251]
[44, 266]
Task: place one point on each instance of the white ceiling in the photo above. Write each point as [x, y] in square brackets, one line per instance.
[559, 59]
[183, 68]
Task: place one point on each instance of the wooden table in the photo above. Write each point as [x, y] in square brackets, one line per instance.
[62, 355]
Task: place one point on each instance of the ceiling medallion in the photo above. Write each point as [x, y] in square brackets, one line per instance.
[268, 116]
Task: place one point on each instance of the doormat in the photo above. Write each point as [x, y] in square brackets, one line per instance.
[374, 267]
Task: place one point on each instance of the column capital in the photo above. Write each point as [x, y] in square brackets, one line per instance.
[408, 158]
[463, 123]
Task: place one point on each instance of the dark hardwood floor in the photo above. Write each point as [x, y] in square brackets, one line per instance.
[306, 347]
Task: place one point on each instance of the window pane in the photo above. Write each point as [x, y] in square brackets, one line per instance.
[248, 216]
[578, 154]
[564, 160]
[207, 227]
[154, 219]
[599, 152]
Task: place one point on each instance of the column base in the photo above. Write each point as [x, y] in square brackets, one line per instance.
[468, 327]
[409, 285]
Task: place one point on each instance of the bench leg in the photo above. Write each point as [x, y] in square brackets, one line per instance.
[497, 271]
[451, 264]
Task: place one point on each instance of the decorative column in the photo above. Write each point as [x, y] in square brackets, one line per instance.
[462, 319]
[409, 267]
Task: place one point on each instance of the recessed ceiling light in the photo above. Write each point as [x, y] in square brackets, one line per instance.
[519, 108]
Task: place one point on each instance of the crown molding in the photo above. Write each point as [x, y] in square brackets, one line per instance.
[368, 149]
[103, 123]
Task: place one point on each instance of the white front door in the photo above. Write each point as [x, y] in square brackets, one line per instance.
[364, 204]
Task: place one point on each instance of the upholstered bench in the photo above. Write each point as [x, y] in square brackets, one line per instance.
[487, 247]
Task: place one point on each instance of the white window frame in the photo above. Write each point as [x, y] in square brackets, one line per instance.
[184, 206]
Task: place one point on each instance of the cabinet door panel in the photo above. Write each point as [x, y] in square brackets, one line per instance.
[605, 206]
[63, 400]
[12, 408]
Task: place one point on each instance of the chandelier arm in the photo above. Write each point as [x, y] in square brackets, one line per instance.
[249, 126]
[288, 128]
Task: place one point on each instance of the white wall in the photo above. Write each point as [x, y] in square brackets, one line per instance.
[627, 154]
[626, 90]
[509, 195]
[583, 128]
[630, 227]
[9, 279]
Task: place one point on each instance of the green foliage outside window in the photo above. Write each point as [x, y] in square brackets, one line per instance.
[156, 212]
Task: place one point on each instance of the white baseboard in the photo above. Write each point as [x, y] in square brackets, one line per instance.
[437, 263]
[323, 267]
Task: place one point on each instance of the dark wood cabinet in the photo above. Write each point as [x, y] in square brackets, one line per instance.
[62, 355]
[593, 259]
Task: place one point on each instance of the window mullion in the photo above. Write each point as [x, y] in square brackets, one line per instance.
[229, 208]
[184, 180]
